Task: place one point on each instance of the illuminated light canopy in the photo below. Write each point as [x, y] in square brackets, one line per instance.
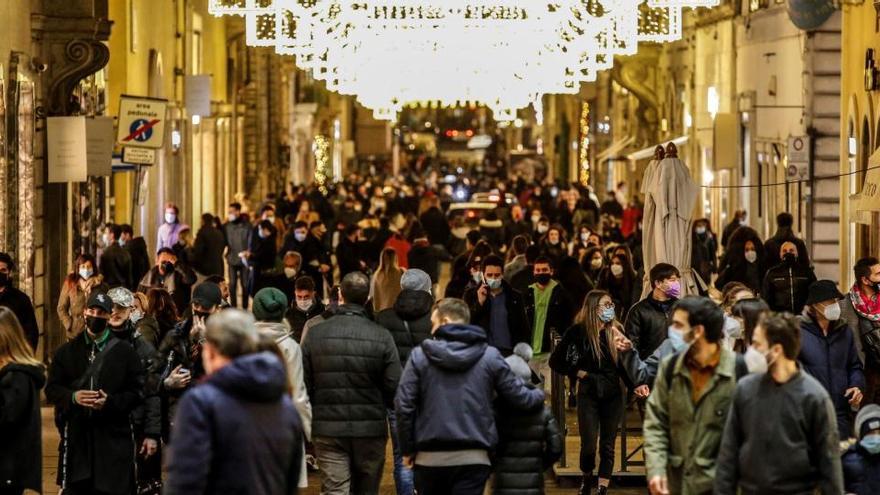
[504, 54]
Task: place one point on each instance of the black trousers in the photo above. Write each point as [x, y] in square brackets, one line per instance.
[457, 480]
[598, 420]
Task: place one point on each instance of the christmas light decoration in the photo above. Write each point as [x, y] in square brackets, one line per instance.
[321, 150]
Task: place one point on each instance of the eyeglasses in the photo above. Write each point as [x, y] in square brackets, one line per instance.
[607, 306]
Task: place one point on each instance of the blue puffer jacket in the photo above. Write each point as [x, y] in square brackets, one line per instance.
[237, 432]
[444, 401]
[861, 471]
[832, 360]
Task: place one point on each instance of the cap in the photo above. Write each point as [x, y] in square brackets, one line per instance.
[822, 290]
[519, 367]
[269, 304]
[99, 300]
[867, 419]
[121, 297]
[415, 279]
[207, 295]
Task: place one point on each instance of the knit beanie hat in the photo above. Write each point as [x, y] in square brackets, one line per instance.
[270, 305]
[867, 419]
[415, 279]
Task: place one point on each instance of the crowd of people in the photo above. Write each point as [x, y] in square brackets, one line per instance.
[311, 327]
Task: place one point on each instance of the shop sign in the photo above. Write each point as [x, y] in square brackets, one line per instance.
[67, 150]
[869, 198]
[141, 122]
[810, 14]
[100, 140]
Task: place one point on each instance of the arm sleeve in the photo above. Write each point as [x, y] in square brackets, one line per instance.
[656, 429]
[553, 442]
[727, 465]
[308, 377]
[512, 389]
[300, 395]
[29, 323]
[825, 445]
[633, 328]
[15, 399]
[59, 386]
[391, 376]
[854, 366]
[406, 405]
[190, 455]
[766, 291]
[63, 308]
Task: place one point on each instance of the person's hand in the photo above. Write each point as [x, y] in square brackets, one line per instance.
[854, 395]
[198, 327]
[408, 461]
[86, 398]
[622, 343]
[482, 294]
[179, 378]
[101, 401]
[148, 447]
[657, 486]
[642, 391]
[581, 374]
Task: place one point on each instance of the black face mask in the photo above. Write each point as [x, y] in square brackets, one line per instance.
[543, 278]
[168, 267]
[4, 279]
[96, 325]
[789, 258]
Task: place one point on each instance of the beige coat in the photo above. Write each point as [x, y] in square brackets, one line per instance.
[71, 305]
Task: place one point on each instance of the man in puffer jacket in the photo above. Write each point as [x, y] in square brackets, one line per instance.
[529, 441]
[450, 446]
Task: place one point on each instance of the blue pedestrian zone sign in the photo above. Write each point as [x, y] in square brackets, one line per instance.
[141, 130]
[141, 122]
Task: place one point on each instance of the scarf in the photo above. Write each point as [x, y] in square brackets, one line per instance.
[866, 307]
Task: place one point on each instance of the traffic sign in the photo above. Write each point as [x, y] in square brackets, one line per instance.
[799, 149]
[141, 122]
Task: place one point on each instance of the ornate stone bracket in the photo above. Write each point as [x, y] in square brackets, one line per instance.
[83, 58]
[634, 74]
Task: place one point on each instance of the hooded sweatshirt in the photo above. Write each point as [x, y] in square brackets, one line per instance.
[409, 321]
[243, 434]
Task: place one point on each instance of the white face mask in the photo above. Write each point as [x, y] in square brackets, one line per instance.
[616, 270]
[232, 217]
[170, 217]
[542, 229]
[755, 361]
[289, 272]
[536, 219]
[105, 238]
[136, 316]
[304, 305]
[585, 236]
[701, 230]
[751, 256]
[832, 312]
[596, 262]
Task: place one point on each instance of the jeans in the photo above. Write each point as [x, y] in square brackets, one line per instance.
[350, 465]
[598, 419]
[457, 480]
[238, 277]
[403, 476]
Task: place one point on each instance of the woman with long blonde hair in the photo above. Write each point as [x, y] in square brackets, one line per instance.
[589, 353]
[21, 378]
[386, 281]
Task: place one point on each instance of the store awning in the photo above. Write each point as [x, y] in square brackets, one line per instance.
[615, 148]
[649, 151]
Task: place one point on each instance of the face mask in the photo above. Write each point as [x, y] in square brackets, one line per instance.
[262, 235]
[585, 236]
[271, 219]
[168, 267]
[232, 217]
[553, 242]
[85, 274]
[542, 229]
[871, 443]
[493, 283]
[105, 238]
[542, 278]
[751, 256]
[4, 279]
[536, 219]
[675, 337]
[701, 230]
[304, 305]
[755, 361]
[673, 289]
[136, 316]
[300, 237]
[290, 272]
[832, 312]
[607, 315]
[596, 262]
[96, 325]
[121, 242]
[616, 270]
[170, 218]
[743, 222]
[789, 258]
[478, 277]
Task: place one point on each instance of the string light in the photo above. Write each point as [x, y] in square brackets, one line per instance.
[584, 153]
[321, 150]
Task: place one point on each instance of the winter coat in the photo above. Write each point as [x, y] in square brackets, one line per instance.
[704, 255]
[516, 265]
[97, 445]
[529, 442]
[20, 304]
[147, 416]
[740, 270]
[457, 367]
[773, 245]
[115, 265]
[179, 285]
[208, 251]
[517, 317]
[435, 224]
[169, 234]
[647, 324]
[560, 314]
[21, 458]
[351, 369]
[424, 257]
[834, 362]
[786, 286]
[348, 256]
[140, 259]
[297, 318]
[238, 236]
[860, 328]
[682, 439]
[385, 288]
[409, 321]
[242, 433]
[72, 303]
[603, 375]
[148, 328]
[861, 471]
[401, 246]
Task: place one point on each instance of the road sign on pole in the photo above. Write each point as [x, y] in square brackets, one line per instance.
[141, 122]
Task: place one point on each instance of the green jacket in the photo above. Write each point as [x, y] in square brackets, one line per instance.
[682, 439]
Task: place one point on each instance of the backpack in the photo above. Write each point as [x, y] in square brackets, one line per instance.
[741, 369]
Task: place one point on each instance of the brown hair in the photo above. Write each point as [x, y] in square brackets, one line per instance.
[589, 318]
[73, 277]
[13, 345]
[161, 305]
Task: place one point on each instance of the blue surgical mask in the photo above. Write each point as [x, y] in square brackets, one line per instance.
[493, 283]
[607, 315]
[86, 274]
[677, 340]
[871, 443]
[299, 237]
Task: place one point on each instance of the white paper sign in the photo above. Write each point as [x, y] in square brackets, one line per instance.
[100, 139]
[198, 95]
[139, 156]
[68, 158]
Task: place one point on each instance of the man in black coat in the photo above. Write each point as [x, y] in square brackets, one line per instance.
[435, 224]
[351, 371]
[786, 285]
[424, 256]
[95, 382]
[115, 261]
[172, 276]
[208, 248]
[498, 308]
[647, 323]
[304, 306]
[348, 252]
[237, 432]
[784, 233]
[137, 249]
[17, 301]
